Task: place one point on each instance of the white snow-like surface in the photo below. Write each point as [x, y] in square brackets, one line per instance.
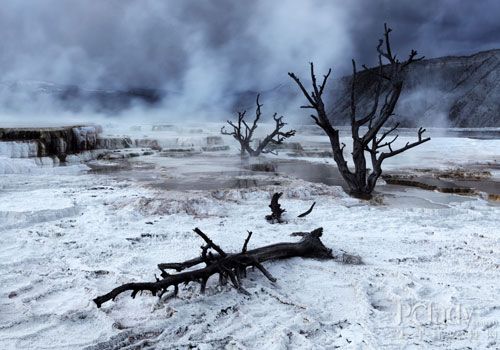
[13, 149]
[34, 200]
[67, 236]
[39, 165]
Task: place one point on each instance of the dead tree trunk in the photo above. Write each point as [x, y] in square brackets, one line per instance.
[228, 266]
[244, 133]
[360, 183]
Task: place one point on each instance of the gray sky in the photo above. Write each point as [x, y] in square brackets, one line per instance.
[209, 47]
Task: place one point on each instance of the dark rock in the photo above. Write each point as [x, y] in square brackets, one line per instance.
[56, 141]
[214, 140]
[149, 143]
[440, 92]
[114, 143]
[215, 148]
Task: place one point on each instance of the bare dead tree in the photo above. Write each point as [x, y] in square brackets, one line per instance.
[360, 183]
[244, 133]
[228, 266]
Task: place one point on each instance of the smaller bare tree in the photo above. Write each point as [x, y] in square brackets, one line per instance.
[244, 133]
[375, 141]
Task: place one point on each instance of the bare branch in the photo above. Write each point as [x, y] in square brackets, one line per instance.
[388, 53]
[385, 134]
[244, 249]
[316, 120]
[323, 84]
[224, 132]
[316, 93]
[257, 116]
[210, 243]
[303, 89]
[388, 144]
[353, 101]
[408, 146]
[411, 58]
[276, 137]
[307, 212]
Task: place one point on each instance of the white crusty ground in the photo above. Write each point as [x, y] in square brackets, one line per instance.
[67, 236]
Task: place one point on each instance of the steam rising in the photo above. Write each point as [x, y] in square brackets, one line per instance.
[204, 53]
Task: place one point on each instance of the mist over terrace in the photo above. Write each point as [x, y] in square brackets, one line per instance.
[204, 60]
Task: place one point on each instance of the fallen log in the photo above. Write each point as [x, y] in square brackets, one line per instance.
[227, 266]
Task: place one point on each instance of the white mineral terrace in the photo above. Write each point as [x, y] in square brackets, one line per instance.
[70, 231]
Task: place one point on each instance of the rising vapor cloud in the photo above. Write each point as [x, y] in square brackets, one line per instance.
[204, 52]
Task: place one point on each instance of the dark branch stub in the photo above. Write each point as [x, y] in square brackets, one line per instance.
[228, 266]
[361, 183]
[244, 133]
[276, 210]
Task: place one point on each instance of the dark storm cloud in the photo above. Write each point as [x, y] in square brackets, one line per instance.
[203, 50]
